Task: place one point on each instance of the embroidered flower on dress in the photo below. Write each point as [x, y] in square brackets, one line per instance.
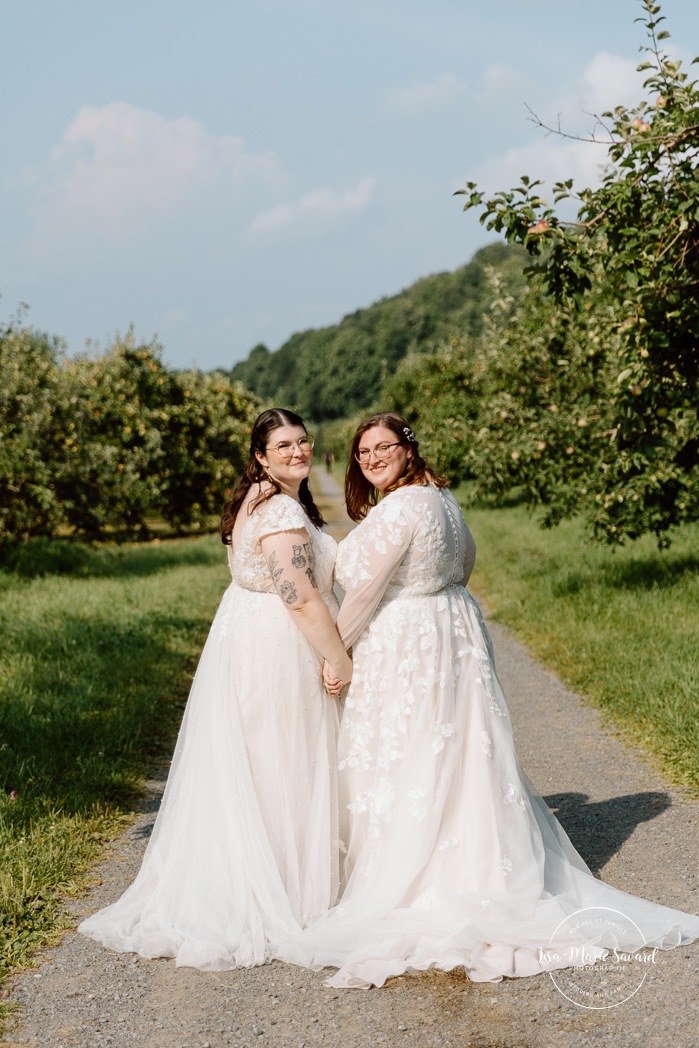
[425, 901]
[506, 865]
[359, 806]
[486, 743]
[513, 795]
[443, 730]
[448, 842]
[416, 806]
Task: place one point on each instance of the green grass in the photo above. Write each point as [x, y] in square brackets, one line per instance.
[620, 626]
[97, 650]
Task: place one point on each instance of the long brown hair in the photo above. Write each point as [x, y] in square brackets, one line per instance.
[264, 425]
[360, 493]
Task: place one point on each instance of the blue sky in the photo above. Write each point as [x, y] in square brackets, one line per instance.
[220, 173]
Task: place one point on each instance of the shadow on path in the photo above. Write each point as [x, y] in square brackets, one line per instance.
[599, 829]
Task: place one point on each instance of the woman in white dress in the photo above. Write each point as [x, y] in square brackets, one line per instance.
[244, 849]
[451, 857]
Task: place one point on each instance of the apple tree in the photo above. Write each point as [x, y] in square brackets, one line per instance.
[623, 281]
[28, 390]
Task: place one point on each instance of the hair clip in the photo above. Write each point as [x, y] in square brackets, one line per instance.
[409, 434]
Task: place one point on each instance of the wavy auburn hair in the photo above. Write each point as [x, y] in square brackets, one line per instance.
[360, 493]
[263, 427]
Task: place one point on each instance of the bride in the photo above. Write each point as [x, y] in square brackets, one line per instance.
[244, 849]
[451, 859]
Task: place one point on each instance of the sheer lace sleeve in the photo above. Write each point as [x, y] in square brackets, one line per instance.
[281, 513]
[377, 548]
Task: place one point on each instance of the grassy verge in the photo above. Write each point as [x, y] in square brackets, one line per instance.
[620, 626]
[97, 649]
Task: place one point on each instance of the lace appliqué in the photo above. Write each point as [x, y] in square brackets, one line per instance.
[443, 731]
[416, 803]
[513, 796]
[406, 513]
[377, 803]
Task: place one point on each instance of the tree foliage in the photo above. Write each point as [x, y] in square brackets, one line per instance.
[108, 439]
[333, 372]
[28, 380]
[621, 351]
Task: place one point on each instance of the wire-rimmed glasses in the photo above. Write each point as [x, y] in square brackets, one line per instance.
[285, 448]
[381, 451]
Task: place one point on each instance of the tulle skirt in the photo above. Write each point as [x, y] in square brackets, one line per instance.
[450, 857]
[244, 849]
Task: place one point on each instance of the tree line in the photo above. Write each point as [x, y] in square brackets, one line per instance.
[332, 372]
[107, 440]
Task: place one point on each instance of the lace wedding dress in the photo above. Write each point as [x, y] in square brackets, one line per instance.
[451, 857]
[244, 848]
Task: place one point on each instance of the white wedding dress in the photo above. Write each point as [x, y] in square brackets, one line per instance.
[244, 849]
[451, 859]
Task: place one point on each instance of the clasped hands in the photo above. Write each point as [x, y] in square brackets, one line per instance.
[331, 682]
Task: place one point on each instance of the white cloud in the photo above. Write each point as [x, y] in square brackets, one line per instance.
[607, 81]
[551, 160]
[119, 169]
[433, 96]
[314, 212]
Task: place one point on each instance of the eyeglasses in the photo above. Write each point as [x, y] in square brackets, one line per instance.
[285, 448]
[382, 452]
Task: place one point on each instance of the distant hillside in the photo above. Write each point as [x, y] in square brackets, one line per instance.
[332, 372]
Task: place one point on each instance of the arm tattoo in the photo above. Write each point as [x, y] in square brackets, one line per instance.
[287, 591]
[298, 560]
[310, 570]
[274, 569]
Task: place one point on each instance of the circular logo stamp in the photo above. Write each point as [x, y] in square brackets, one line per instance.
[588, 965]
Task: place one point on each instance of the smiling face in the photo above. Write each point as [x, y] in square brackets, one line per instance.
[288, 467]
[385, 470]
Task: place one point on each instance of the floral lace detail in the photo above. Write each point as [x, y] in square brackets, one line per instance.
[280, 513]
[443, 731]
[513, 796]
[449, 842]
[381, 707]
[486, 678]
[506, 865]
[458, 572]
[416, 803]
[378, 803]
[486, 744]
[411, 518]
[426, 901]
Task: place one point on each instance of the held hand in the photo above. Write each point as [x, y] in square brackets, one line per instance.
[333, 681]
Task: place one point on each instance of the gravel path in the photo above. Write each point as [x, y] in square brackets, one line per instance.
[632, 828]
